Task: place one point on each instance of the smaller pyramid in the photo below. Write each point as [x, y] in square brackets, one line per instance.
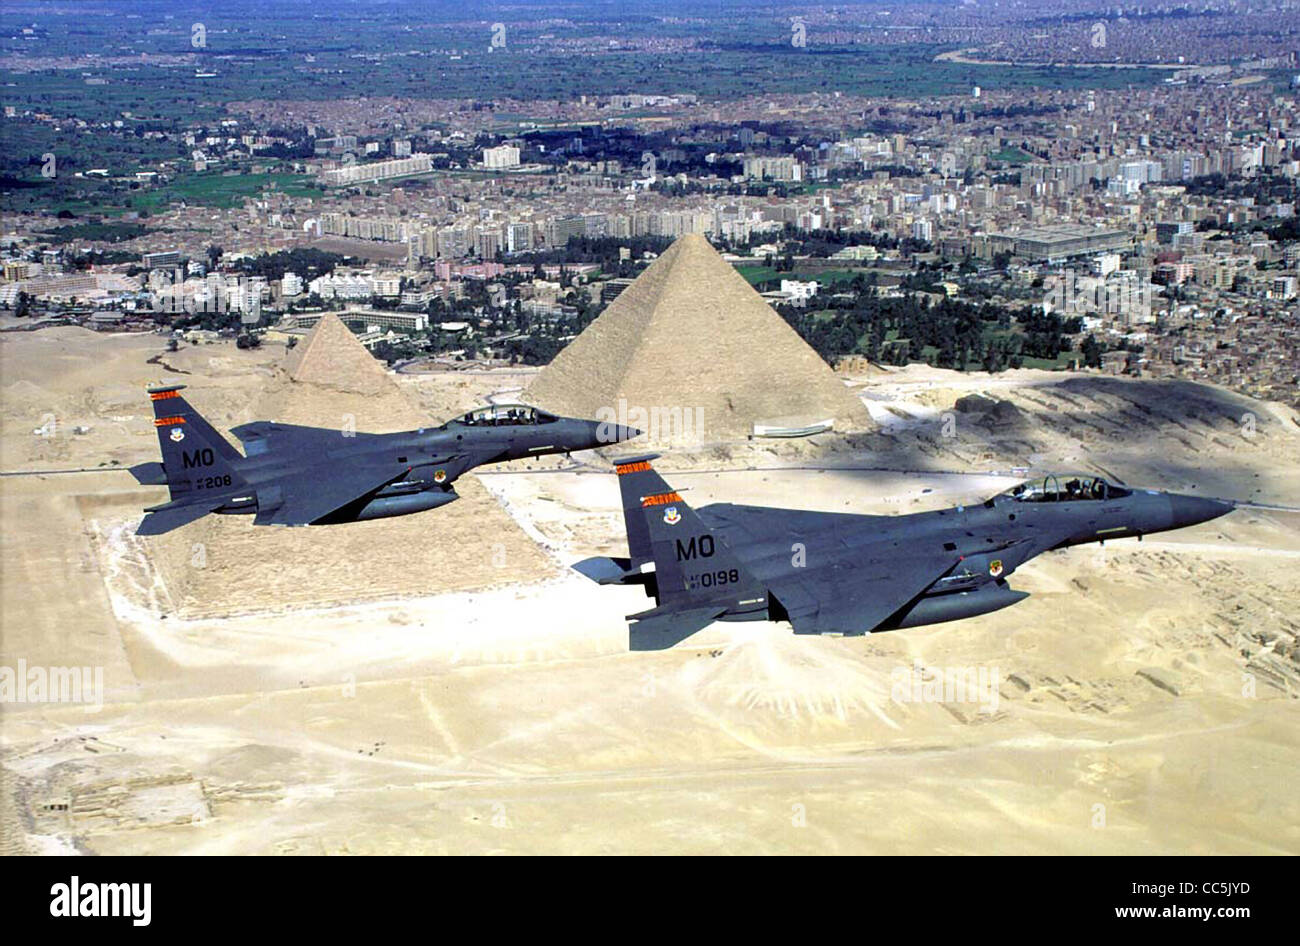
[331, 381]
[332, 357]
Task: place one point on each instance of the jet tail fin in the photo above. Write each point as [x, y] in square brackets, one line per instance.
[692, 565]
[194, 456]
[637, 478]
[697, 578]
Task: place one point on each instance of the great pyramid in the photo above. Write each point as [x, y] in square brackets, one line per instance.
[691, 333]
[224, 564]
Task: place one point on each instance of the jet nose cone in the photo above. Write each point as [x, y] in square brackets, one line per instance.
[605, 434]
[1189, 510]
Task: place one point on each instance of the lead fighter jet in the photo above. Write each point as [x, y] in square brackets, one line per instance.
[842, 573]
[297, 476]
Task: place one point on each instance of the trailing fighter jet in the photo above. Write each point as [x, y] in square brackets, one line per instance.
[297, 476]
[842, 573]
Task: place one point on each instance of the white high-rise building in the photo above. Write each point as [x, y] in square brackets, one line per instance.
[519, 237]
[386, 285]
[502, 156]
[378, 170]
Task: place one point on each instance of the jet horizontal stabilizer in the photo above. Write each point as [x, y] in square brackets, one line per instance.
[661, 628]
[640, 458]
[608, 571]
[165, 518]
[149, 474]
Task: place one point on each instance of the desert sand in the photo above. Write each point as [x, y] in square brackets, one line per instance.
[1145, 697]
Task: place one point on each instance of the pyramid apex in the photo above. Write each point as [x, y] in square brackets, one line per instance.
[692, 241]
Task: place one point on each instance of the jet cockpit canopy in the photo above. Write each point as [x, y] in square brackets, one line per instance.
[504, 415]
[1065, 487]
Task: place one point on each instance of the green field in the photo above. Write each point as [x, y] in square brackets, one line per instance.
[216, 189]
[1012, 155]
[828, 278]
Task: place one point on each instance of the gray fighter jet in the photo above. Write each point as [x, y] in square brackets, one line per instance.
[297, 476]
[847, 574]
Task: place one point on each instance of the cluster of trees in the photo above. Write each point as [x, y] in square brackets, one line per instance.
[827, 242]
[1265, 188]
[954, 333]
[1045, 334]
[94, 230]
[532, 349]
[395, 351]
[83, 261]
[305, 261]
[671, 187]
[1286, 230]
[300, 149]
[603, 251]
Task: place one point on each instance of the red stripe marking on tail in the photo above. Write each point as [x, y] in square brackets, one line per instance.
[662, 499]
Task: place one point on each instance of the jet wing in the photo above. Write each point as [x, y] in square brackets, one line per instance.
[263, 437]
[743, 525]
[314, 495]
[856, 592]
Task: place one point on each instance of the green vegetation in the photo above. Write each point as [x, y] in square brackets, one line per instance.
[947, 333]
[108, 198]
[306, 262]
[756, 275]
[254, 51]
[766, 278]
[105, 232]
[730, 70]
[219, 189]
[1011, 155]
[141, 79]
